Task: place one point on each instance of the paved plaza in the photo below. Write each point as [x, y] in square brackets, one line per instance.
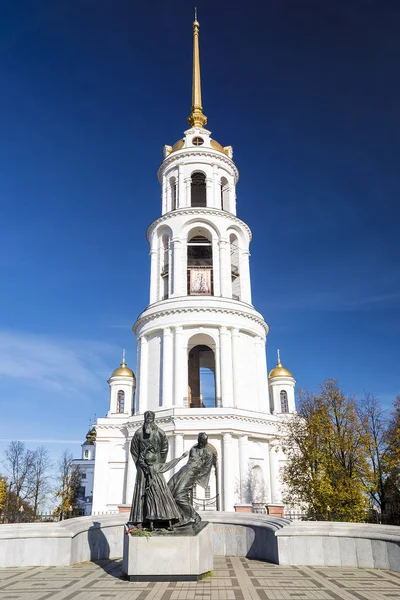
[233, 579]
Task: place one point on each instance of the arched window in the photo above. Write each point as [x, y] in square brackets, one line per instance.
[201, 377]
[224, 193]
[173, 189]
[120, 401]
[199, 266]
[284, 402]
[198, 190]
[86, 453]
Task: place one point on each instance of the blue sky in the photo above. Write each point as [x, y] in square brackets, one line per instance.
[306, 92]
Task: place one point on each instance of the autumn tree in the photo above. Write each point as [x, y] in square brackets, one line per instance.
[325, 447]
[3, 493]
[393, 458]
[68, 486]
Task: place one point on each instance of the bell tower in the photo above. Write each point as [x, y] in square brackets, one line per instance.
[200, 317]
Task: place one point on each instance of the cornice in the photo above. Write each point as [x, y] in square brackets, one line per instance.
[181, 310]
[190, 152]
[199, 211]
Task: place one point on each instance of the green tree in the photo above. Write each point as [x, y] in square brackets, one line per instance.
[68, 486]
[393, 459]
[325, 447]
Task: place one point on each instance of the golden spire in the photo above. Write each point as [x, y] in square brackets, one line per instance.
[196, 118]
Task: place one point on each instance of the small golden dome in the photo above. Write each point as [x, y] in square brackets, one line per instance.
[123, 370]
[280, 370]
[217, 146]
[214, 144]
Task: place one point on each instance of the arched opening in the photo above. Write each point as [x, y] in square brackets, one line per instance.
[173, 191]
[235, 267]
[284, 402]
[164, 259]
[201, 375]
[198, 190]
[120, 401]
[224, 193]
[199, 264]
[208, 498]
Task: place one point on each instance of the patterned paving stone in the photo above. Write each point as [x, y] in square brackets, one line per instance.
[233, 579]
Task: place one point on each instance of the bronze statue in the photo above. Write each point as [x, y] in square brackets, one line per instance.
[196, 471]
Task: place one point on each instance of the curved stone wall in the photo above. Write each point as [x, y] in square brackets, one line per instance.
[255, 536]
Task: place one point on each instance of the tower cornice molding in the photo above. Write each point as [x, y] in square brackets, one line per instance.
[196, 310]
[198, 211]
[195, 153]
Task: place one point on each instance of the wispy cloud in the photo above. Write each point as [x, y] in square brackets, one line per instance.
[63, 366]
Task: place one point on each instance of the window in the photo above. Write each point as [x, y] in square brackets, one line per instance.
[197, 141]
[199, 262]
[198, 190]
[164, 266]
[235, 260]
[86, 454]
[83, 476]
[120, 401]
[284, 402]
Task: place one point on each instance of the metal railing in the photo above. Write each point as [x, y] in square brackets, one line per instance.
[206, 503]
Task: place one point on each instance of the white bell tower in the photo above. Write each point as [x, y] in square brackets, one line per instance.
[201, 343]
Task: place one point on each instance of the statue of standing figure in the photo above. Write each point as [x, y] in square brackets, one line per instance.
[154, 503]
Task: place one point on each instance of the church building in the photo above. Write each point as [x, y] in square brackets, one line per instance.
[201, 344]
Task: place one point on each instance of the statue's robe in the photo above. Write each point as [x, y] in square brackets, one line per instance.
[196, 471]
[139, 445]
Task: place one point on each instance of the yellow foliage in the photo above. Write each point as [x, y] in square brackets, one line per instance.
[3, 492]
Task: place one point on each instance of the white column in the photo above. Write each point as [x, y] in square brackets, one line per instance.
[267, 475]
[130, 475]
[209, 192]
[216, 267]
[178, 274]
[181, 189]
[236, 365]
[245, 276]
[218, 393]
[228, 477]
[226, 366]
[142, 400]
[225, 269]
[262, 376]
[154, 275]
[178, 450]
[188, 191]
[276, 497]
[100, 483]
[244, 469]
[216, 200]
[164, 194]
[180, 368]
[167, 367]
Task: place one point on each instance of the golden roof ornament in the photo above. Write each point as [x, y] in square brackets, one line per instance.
[196, 117]
[123, 370]
[279, 370]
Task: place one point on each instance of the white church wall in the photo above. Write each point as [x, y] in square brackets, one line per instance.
[154, 387]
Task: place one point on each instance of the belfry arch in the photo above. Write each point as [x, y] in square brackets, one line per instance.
[201, 372]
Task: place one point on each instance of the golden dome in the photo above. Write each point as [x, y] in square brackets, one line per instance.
[214, 144]
[280, 370]
[123, 370]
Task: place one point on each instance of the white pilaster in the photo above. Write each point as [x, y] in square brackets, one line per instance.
[216, 189]
[178, 277]
[262, 375]
[188, 191]
[142, 400]
[130, 475]
[226, 366]
[244, 469]
[164, 207]
[276, 497]
[167, 368]
[225, 269]
[181, 188]
[100, 485]
[236, 359]
[154, 275]
[227, 462]
[245, 276]
[180, 360]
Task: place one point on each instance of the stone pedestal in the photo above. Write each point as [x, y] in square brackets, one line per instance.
[243, 508]
[276, 510]
[124, 508]
[182, 555]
